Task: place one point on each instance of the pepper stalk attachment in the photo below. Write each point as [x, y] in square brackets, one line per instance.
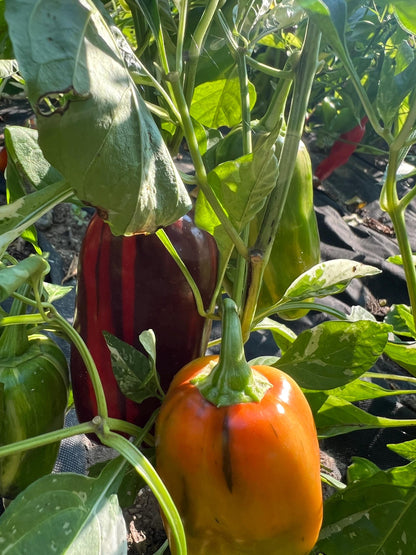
[232, 380]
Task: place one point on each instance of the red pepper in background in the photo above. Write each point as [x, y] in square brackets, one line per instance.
[341, 150]
[3, 158]
[129, 284]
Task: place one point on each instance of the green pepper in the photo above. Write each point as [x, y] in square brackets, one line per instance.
[33, 398]
[296, 247]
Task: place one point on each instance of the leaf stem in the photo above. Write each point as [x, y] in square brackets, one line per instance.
[196, 46]
[45, 439]
[149, 474]
[60, 322]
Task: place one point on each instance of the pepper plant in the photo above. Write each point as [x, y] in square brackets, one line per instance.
[117, 88]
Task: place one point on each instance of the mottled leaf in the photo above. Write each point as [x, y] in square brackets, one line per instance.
[334, 353]
[132, 370]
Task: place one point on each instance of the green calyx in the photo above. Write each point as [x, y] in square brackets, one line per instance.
[232, 380]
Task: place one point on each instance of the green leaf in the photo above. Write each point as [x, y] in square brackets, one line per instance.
[360, 469]
[330, 16]
[406, 449]
[218, 103]
[132, 370]
[66, 513]
[94, 127]
[404, 354]
[397, 259]
[282, 335]
[405, 11]
[372, 516]
[242, 185]
[394, 87]
[25, 211]
[7, 67]
[360, 390]
[401, 319]
[55, 292]
[327, 278]
[335, 416]
[12, 277]
[334, 353]
[24, 151]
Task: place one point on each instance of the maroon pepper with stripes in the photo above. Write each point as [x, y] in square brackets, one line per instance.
[129, 284]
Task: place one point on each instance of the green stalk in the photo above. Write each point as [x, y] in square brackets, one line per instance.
[241, 268]
[167, 243]
[196, 46]
[200, 170]
[149, 474]
[46, 439]
[79, 344]
[183, 15]
[390, 202]
[304, 73]
[232, 380]
[14, 340]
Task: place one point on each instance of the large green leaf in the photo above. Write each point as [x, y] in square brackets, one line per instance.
[93, 125]
[24, 151]
[401, 319]
[66, 513]
[395, 84]
[405, 11]
[372, 516]
[334, 353]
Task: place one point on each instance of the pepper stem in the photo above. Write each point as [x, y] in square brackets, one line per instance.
[14, 340]
[232, 380]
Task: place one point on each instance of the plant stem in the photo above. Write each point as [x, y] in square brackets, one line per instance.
[149, 474]
[304, 73]
[46, 439]
[80, 345]
[200, 170]
[196, 46]
[167, 243]
[389, 202]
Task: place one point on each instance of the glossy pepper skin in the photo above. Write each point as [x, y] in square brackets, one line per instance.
[130, 284]
[33, 402]
[341, 151]
[297, 246]
[244, 477]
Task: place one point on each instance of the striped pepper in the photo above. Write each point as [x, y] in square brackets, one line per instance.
[129, 284]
